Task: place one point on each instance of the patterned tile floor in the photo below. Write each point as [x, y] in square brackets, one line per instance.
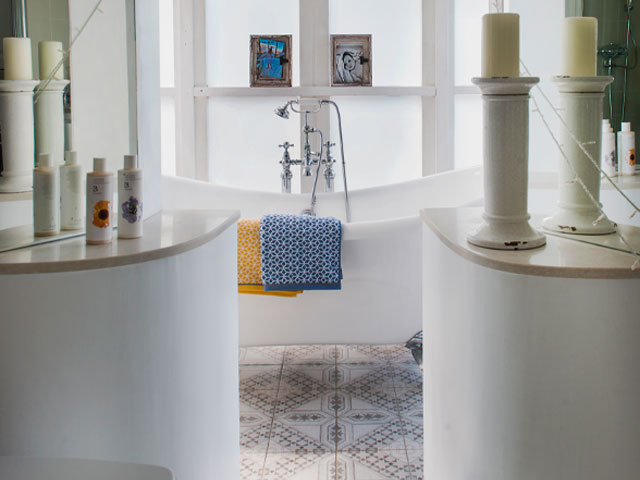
[330, 412]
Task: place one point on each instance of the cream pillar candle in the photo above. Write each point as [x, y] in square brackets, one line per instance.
[500, 45]
[17, 58]
[49, 56]
[579, 46]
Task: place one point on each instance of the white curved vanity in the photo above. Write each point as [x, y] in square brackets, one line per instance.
[125, 352]
[530, 357]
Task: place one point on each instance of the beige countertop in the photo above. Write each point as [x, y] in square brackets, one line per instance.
[562, 256]
[166, 234]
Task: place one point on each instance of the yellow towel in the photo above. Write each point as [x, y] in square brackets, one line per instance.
[249, 274]
[259, 290]
[249, 252]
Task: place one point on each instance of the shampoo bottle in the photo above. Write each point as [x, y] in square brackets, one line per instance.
[71, 213]
[608, 149]
[626, 150]
[130, 199]
[99, 223]
[46, 198]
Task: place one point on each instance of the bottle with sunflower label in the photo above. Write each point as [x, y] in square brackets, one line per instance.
[99, 204]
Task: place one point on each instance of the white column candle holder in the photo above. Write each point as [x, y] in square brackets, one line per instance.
[505, 223]
[49, 116]
[16, 125]
[581, 110]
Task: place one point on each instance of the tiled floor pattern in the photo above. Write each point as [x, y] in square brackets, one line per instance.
[330, 412]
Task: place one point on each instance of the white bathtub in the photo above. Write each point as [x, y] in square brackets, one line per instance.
[381, 296]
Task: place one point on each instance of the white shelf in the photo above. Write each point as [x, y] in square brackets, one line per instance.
[466, 90]
[425, 91]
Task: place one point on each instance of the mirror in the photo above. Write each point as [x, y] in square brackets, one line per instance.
[618, 29]
[94, 90]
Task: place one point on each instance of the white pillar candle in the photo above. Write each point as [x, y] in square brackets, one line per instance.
[500, 45]
[49, 56]
[579, 46]
[17, 58]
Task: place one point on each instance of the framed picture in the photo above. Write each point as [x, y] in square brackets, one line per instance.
[351, 60]
[270, 60]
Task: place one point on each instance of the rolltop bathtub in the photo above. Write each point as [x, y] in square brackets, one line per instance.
[381, 296]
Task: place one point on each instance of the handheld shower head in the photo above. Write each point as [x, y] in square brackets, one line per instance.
[283, 112]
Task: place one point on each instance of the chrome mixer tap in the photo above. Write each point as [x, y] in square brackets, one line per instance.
[329, 174]
[286, 163]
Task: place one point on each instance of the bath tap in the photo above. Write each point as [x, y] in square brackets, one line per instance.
[286, 163]
[329, 174]
[310, 158]
[308, 155]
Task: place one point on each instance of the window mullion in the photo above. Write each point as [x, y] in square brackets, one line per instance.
[314, 66]
[184, 82]
[200, 79]
[444, 41]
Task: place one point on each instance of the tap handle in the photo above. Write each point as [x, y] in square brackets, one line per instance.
[286, 146]
[329, 157]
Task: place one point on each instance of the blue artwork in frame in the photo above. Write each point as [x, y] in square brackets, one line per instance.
[270, 60]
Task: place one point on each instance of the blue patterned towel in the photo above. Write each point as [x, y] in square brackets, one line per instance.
[300, 252]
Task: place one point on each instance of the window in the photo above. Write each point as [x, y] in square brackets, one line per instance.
[540, 38]
[228, 27]
[422, 115]
[540, 50]
[387, 138]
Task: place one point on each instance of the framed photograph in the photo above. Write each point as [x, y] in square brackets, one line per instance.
[270, 60]
[351, 60]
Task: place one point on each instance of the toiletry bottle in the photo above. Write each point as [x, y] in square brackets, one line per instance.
[71, 213]
[626, 150]
[608, 150]
[46, 198]
[130, 199]
[99, 224]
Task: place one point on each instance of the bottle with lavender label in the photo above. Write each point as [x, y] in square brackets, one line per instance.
[130, 199]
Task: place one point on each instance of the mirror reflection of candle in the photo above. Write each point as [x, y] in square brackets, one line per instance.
[17, 58]
[500, 45]
[49, 56]
[579, 46]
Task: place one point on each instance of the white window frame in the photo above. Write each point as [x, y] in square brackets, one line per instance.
[191, 93]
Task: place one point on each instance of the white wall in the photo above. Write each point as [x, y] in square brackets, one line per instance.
[102, 104]
[99, 83]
